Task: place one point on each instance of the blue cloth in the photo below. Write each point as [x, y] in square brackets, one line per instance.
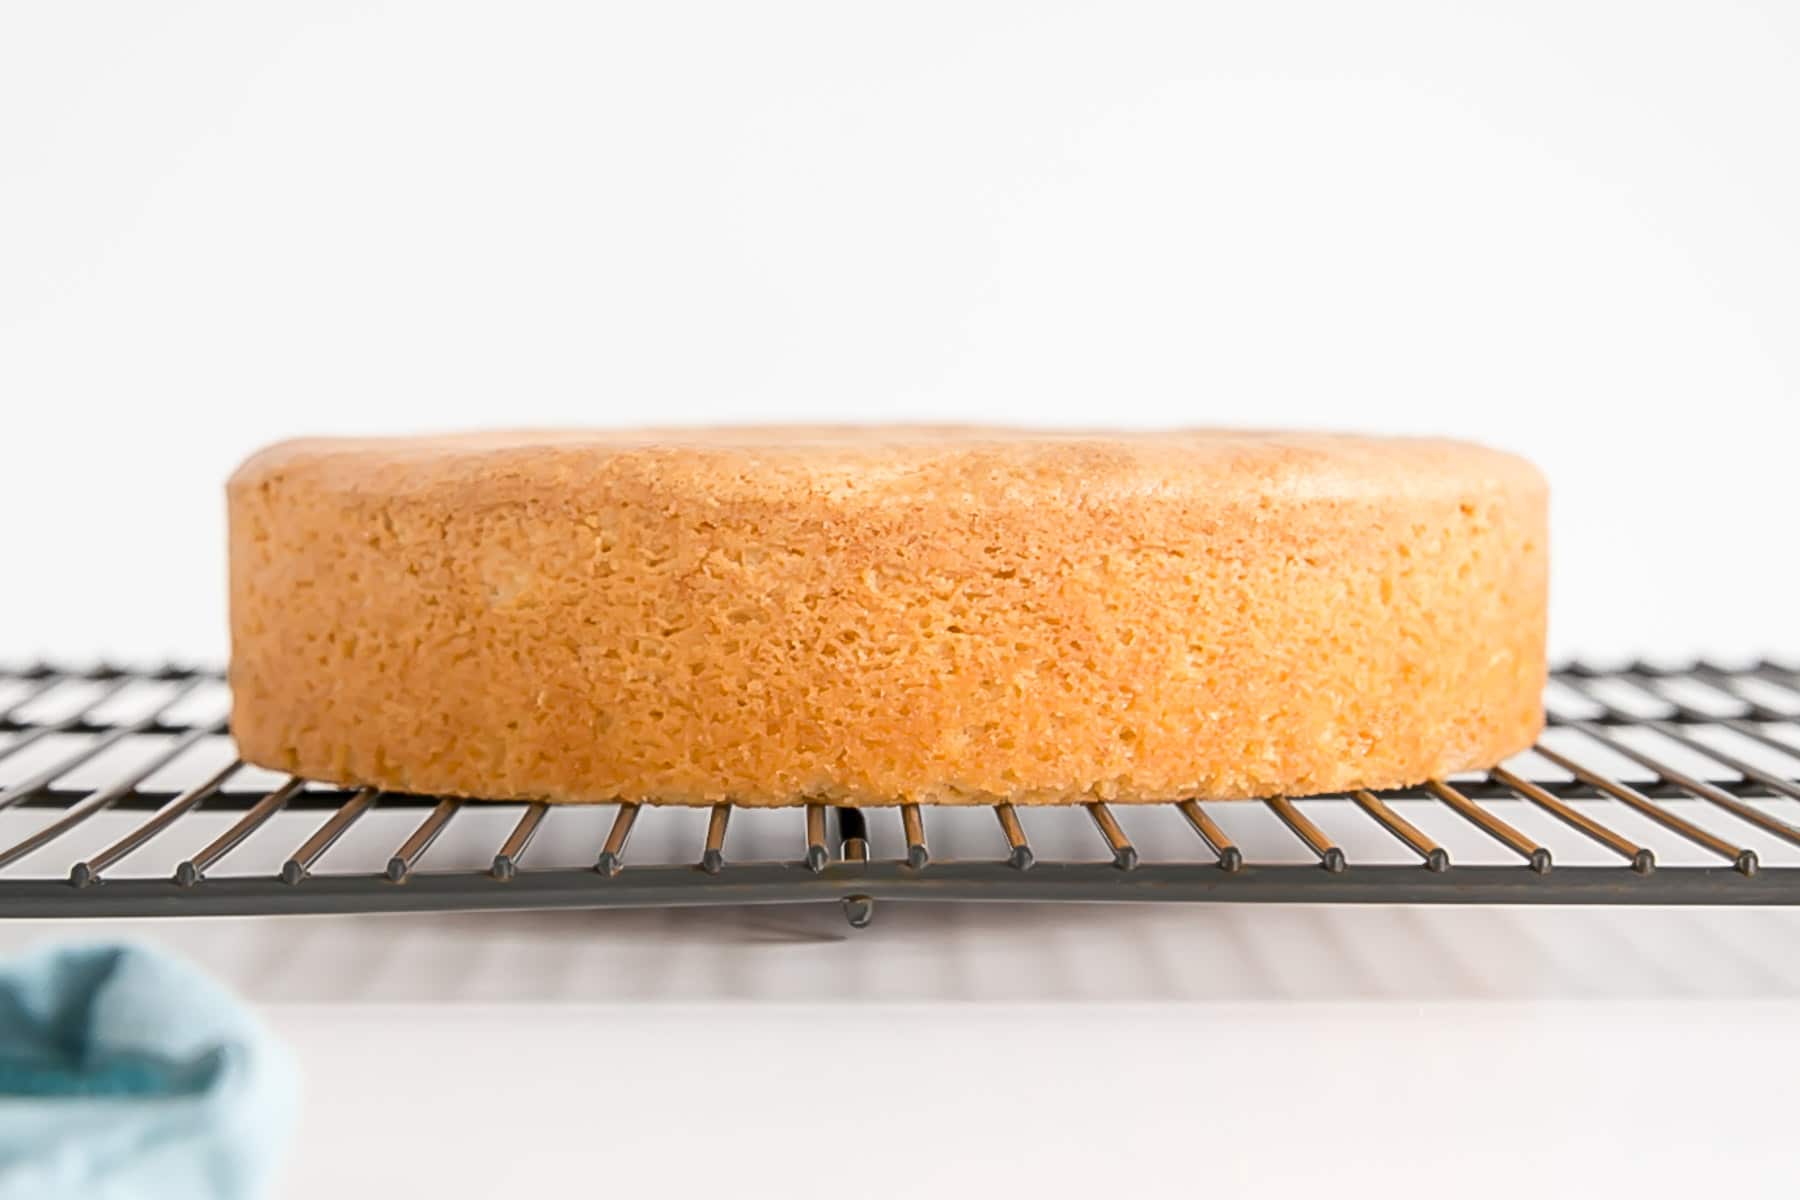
[124, 1073]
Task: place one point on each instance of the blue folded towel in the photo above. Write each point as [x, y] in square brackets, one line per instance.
[124, 1073]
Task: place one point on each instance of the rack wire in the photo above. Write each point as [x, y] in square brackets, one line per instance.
[120, 795]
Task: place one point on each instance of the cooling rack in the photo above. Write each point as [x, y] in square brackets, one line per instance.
[120, 796]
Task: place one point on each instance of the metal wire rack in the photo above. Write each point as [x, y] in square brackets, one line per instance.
[120, 795]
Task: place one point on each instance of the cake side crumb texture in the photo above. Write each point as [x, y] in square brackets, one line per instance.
[870, 616]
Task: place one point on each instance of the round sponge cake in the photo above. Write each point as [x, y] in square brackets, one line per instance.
[884, 615]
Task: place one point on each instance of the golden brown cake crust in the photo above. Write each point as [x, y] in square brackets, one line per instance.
[872, 616]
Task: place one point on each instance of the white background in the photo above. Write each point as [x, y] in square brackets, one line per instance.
[1567, 229]
[1563, 228]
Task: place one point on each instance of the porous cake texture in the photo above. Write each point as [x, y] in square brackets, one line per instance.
[873, 616]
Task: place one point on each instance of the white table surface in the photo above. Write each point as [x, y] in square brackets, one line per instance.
[1006, 1050]
[1071, 1050]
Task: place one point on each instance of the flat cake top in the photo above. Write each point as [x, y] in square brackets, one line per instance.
[874, 463]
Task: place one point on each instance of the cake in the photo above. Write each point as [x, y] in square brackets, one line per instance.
[871, 616]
